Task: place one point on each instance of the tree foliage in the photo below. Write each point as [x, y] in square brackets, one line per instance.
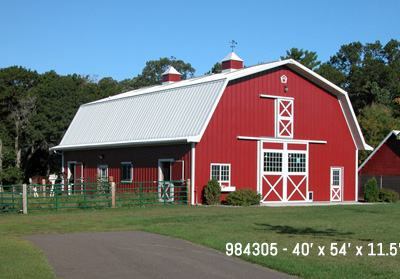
[369, 73]
[307, 58]
[152, 72]
[36, 110]
[217, 68]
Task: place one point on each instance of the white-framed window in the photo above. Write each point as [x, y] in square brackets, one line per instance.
[102, 171]
[336, 176]
[297, 162]
[272, 161]
[126, 171]
[222, 173]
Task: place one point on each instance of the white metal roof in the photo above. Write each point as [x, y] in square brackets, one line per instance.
[176, 112]
[232, 56]
[171, 70]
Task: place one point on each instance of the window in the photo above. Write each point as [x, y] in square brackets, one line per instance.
[272, 161]
[297, 162]
[126, 171]
[335, 177]
[102, 171]
[221, 172]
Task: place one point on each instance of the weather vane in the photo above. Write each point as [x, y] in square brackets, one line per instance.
[233, 43]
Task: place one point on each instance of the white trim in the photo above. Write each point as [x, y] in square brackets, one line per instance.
[63, 169]
[127, 143]
[394, 132]
[198, 138]
[102, 166]
[192, 177]
[281, 140]
[259, 165]
[276, 97]
[356, 176]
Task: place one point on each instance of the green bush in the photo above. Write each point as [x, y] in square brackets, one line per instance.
[388, 195]
[371, 191]
[243, 197]
[212, 192]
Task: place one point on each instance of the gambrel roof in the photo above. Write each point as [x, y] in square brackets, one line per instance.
[175, 113]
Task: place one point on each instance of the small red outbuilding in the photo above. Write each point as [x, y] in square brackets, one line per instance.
[278, 128]
[383, 164]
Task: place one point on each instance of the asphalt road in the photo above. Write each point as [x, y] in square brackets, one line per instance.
[136, 254]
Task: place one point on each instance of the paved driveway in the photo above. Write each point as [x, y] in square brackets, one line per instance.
[136, 254]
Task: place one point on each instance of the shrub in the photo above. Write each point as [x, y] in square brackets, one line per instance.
[212, 192]
[371, 191]
[388, 195]
[243, 197]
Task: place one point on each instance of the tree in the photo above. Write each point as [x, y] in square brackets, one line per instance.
[17, 105]
[365, 69]
[152, 72]
[308, 59]
[376, 121]
[217, 68]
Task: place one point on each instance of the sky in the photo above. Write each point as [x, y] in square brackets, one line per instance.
[116, 38]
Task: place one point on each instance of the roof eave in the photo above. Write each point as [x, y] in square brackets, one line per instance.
[125, 144]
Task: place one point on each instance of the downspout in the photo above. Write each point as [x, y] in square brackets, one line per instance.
[192, 176]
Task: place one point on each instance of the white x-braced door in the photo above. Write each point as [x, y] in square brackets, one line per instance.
[284, 118]
[284, 174]
[336, 183]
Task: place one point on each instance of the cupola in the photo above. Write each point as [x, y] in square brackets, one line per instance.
[171, 75]
[231, 62]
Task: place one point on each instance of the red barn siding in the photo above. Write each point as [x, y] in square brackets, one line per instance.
[386, 160]
[144, 160]
[241, 112]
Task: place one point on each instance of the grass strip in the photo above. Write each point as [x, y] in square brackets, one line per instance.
[357, 225]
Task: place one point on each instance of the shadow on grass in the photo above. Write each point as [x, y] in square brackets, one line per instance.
[301, 231]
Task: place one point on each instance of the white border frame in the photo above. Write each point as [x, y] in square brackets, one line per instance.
[127, 164]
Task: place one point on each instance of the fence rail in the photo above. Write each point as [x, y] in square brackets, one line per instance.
[101, 194]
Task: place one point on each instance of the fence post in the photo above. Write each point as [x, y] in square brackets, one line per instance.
[188, 191]
[24, 199]
[113, 194]
[140, 194]
[44, 187]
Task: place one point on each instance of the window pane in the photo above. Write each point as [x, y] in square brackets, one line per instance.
[297, 162]
[215, 172]
[126, 172]
[336, 178]
[272, 162]
[224, 173]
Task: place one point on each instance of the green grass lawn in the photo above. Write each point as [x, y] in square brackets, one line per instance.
[355, 225]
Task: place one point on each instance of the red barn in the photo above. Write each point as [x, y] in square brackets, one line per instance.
[383, 164]
[278, 128]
